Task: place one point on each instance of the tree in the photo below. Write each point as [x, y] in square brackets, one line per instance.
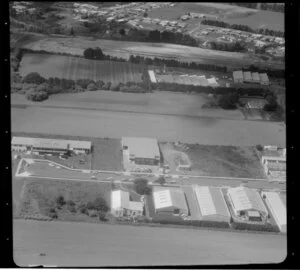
[272, 104]
[34, 77]
[228, 101]
[72, 32]
[161, 180]
[88, 53]
[60, 200]
[141, 186]
[145, 14]
[35, 95]
[92, 87]
[122, 32]
[98, 204]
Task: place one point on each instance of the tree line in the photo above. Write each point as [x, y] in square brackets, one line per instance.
[241, 27]
[277, 7]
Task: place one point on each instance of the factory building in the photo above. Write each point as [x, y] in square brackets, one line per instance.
[247, 77]
[277, 208]
[247, 203]
[51, 146]
[170, 201]
[212, 204]
[142, 150]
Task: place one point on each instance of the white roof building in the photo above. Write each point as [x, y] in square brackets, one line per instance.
[152, 76]
[264, 79]
[255, 77]
[247, 76]
[238, 76]
[244, 199]
[212, 203]
[277, 208]
[170, 201]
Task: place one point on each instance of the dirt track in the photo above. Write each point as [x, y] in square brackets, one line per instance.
[75, 244]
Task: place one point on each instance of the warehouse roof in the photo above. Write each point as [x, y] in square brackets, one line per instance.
[238, 75]
[247, 76]
[23, 141]
[244, 198]
[169, 197]
[255, 77]
[264, 77]
[142, 147]
[278, 207]
[50, 143]
[211, 201]
[80, 144]
[119, 199]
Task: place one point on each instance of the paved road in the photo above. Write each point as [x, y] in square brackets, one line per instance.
[83, 244]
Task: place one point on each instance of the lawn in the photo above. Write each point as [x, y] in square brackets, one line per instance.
[107, 154]
[74, 68]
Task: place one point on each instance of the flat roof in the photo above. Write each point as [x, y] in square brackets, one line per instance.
[23, 140]
[119, 199]
[238, 74]
[152, 76]
[142, 147]
[277, 206]
[264, 77]
[80, 144]
[50, 143]
[247, 76]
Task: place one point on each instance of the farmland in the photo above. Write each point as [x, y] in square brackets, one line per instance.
[123, 49]
[63, 244]
[74, 68]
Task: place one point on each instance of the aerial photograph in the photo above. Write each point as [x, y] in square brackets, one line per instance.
[148, 133]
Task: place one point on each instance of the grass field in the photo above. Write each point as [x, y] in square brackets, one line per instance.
[93, 245]
[74, 68]
[39, 196]
[224, 161]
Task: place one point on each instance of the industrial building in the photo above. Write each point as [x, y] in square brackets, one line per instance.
[277, 208]
[247, 203]
[55, 146]
[212, 204]
[247, 77]
[144, 151]
[122, 206]
[152, 76]
[274, 162]
[170, 201]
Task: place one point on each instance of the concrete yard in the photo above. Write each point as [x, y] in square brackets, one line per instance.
[202, 130]
[82, 244]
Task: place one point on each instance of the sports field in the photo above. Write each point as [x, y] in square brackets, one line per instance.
[75, 68]
[83, 244]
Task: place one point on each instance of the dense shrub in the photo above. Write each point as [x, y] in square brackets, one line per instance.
[92, 87]
[141, 186]
[98, 204]
[34, 77]
[35, 95]
[255, 227]
[106, 86]
[196, 223]
[115, 87]
[228, 102]
[60, 201]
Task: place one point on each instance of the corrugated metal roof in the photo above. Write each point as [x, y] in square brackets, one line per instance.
[142, 147]
[278, 207]
[168, 198]
[211, 201]
[244, 198]
[23, 141]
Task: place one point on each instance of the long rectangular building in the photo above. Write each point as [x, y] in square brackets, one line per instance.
[46, 145]
[277, 208]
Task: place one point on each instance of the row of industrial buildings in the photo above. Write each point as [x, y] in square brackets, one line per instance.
[240, 76]
[236, 204]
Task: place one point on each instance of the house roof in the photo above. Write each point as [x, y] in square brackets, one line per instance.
[278, 207]
[169, 198]
[244, 199]
[211, 201]
[119, 199]
[142, 147]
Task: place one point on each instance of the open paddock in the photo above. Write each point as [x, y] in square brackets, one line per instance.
[74, 68]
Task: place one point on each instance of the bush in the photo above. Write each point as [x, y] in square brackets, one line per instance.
[106, 86]
[228, 102]
[115, 87]
[34, 77]
[60, 201]
[196, 223]
[255, 227]
[259, 147]
[92, 87]
[98, 204]
[34, 95]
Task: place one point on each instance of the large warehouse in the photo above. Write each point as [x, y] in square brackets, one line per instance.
[142, 150]
[277, 208]
[250, 77]
[44, 145]
[212, 203]
[170, 201]
[247, 202]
